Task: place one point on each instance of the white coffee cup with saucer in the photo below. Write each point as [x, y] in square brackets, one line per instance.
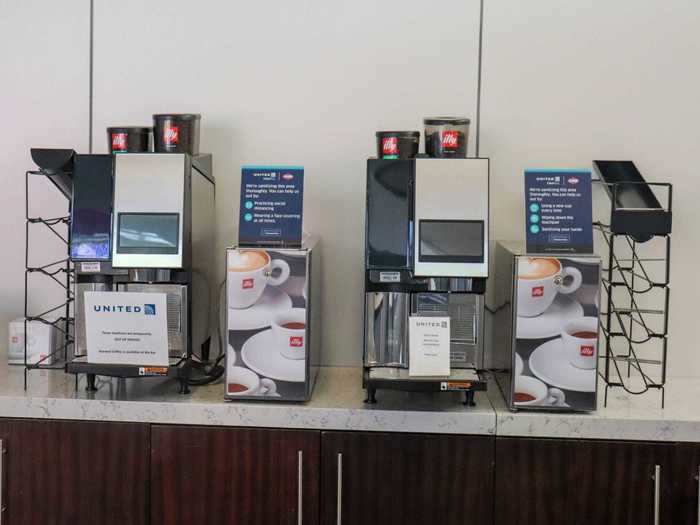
[249, 272]
[241, 381]
[537, 392]
[540, 279]
[289, 331]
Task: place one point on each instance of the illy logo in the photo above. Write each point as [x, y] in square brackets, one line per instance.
[247, 284]
[537, 291]
[390, 146]
[296, 340]
[587, 350]
[171, 135]
[119, 141]
[449, 139]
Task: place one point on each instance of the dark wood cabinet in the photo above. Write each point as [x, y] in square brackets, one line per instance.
[574, 482]
[211, 475]
[67, 472]
[406, 479]
[686, 485]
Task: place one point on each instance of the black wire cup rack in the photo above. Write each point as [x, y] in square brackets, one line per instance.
[59, 272]
[636, 279]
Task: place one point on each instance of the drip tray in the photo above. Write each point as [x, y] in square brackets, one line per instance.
[465, 380]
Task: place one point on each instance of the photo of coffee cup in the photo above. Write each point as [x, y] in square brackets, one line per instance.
[249, 272]
[243, 382]
[580, 342]
[529, 391]
[289, 331]
[540, 279]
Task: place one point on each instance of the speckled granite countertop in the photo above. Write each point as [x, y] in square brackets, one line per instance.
[337, 404]
[626, 417]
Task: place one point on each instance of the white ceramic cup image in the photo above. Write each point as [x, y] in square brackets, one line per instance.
[249, 271]
[289, 331]
[536, 392]
[540, 279]
[243, 382]
[580, 340]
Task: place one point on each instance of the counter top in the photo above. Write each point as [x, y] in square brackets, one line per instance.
[337, 404]
[626, 417]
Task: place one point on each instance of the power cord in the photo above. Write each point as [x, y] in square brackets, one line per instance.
[216, 370]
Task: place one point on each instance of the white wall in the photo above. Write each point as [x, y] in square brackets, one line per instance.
[568, 82]
[44, 103]
[305, 83]
[309, 82]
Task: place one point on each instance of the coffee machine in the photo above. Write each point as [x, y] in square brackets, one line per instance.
[144, 222]
[426, 254]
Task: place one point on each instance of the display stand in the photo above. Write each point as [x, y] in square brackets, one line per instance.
[60, 272]
[636, 280]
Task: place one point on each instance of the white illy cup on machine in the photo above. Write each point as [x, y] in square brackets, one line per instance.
[249, 271]
[540, 279]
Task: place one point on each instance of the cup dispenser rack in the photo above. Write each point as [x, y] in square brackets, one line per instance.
[636, 278]
[55, 165]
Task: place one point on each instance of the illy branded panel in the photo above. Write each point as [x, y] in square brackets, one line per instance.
[274, 321]
[543, 315]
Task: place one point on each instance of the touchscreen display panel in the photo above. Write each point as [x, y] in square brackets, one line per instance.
[148, 233]
[451, 241]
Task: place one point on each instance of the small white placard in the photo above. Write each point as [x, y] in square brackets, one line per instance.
[429, 346]
[90, 267]
[126, 328]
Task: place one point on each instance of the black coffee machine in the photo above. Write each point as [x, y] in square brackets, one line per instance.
[426, 254]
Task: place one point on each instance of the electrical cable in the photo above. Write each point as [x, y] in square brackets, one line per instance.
[214, 372]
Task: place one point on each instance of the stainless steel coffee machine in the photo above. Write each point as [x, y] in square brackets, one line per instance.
[144, 222]
[426, 254]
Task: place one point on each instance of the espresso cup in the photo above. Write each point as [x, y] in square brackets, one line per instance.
[243, 382]
[289, 331]
[539, 281]
[249, 272]
[533, 392]
[580, 340]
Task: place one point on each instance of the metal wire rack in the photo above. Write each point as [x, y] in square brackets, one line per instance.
[59, 272]
[636, 287]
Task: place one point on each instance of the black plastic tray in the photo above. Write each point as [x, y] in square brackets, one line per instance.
[635, 209]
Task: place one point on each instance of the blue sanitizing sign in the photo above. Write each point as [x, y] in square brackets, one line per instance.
[272, 203]
[558, 211]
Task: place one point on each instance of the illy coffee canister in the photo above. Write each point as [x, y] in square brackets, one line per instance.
[397, 144]
[446, 137]
[128, 139]
[176, 133]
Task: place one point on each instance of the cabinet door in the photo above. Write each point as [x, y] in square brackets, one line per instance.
[66, 472]
[687, 484]
[210, 475]
[570, 482]
[406, 479]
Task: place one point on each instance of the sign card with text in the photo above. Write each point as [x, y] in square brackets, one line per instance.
[272, 204]
[558, 211]
[126, 328]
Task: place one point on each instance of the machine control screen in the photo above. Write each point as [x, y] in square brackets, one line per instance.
[149, 233]
[451, 241]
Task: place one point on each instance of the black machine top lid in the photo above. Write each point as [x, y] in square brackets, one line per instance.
[402, 134]
[177, 116]
[446, 121]
[129, 129]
